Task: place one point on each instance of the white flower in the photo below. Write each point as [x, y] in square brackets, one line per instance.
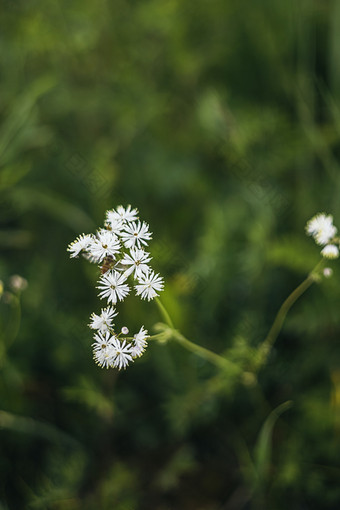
[122, 354]
[137, 260]
[321, 228]
[103, 321]
[106, 244]
[103, 350]
[330, 251]
[113, 287]
[141, 336]
[81, 243]
[127, 215]
[118, 248]
[139, 343]
[102, 340]
[115, 226]
[149, 285]
[136, 234]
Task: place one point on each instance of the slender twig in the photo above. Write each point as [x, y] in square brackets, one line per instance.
[211, 356]
[267, 344]
[164, 313]
[207, 354]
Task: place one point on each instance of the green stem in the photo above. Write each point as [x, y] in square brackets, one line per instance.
[159, 336]
[211, 356]
[265, 348]
[164, 313]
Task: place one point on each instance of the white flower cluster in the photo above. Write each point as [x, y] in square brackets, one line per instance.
[321, 228]
[118, 248]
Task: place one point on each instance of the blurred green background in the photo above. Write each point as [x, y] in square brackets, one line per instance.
[220, 121]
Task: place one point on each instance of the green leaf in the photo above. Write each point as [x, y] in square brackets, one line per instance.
[263, 447]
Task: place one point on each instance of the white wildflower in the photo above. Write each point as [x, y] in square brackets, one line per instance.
[330, 251]
[136, 234]
[104, 352]
[137, 260]
[149, 285]
[139, 343]
[104, 321]
[118, 248]
[106, 245]
[112, 287]
[126, 215]
[115, 226]
[81, 243]
[321, 228]
[122, 354]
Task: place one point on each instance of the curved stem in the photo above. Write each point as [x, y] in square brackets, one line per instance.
[211, 356]
[164, 313]
[158, 336]
[265, 347]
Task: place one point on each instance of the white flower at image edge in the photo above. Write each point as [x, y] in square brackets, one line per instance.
[321, 228]
[112, 287]
[103, 321]
[149, 285]
[330, 251]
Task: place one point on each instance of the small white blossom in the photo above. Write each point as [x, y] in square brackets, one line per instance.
[103, 350]
[122, 354]
[102, 340]
[115, 226]
[124, 330]
[149, 285]
[126, 215]
[112, 287]
[103, 321]
[139, 343]
[330, 251]
[136, 234]
[81, 243]
[107, 244]
[321, 228]
[137, 260]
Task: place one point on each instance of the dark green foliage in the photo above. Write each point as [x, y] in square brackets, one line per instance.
[220, 121]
